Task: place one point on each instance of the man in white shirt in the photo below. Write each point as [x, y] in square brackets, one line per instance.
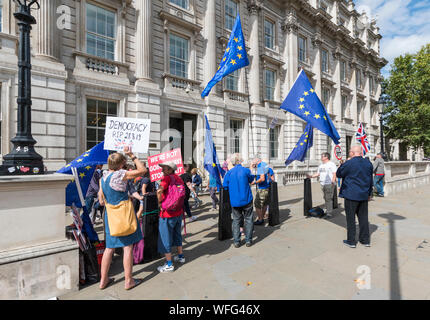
[327, 176]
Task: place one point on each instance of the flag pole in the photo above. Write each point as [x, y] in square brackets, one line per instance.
[250, 115]
[78, 186]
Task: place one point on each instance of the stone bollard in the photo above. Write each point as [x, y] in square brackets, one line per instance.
[273, 204]
[307, 197]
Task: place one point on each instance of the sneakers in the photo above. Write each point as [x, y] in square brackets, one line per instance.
[180, 260]
[258, 222]
[193, 218]
[248, 244]
[365, 244]
[165, 268]
[345, 242]
[236, 245]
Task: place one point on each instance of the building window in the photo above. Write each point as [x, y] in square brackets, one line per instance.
[358, 78]
[326, 98]
[230, 9]
[269, 34]
[343, 70]
[100, 32]
[270, 83]
[324, 60]
[371, 85]
[181, 3]
[360, 111]
[344, 102]
[97, 111]
[236, 129]
[179, 56]
[232, 81]
[274, 142]
[302, 49]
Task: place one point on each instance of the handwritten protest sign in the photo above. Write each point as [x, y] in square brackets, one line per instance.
[155, 171]
[121, 132]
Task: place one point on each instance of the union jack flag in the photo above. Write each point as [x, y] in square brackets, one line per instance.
[361, 137]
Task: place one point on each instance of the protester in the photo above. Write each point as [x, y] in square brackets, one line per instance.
[271, 175]
[147, 190]
[91, 198]
[327, 176]
[213, 187]
[170, 220]
[378, 169]
[187, 179]
[357, 184]
[114, 190]
[196, 180]
[262, 197]
[237, 180]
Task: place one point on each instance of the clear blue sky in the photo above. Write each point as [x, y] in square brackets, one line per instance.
[404, 25]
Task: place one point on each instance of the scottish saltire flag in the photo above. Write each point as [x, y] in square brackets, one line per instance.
[361, 137]
[210, 161]
[234, 58]
[304, 103]
[302, 146]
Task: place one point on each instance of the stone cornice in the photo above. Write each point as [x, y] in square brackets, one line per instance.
[271, 60]
[167, 17]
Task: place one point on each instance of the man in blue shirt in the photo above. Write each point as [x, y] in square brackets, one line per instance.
[262, 197]
[357, 185]
[238, 181]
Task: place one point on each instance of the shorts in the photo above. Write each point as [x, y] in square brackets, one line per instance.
[262, 198]
[169, 234]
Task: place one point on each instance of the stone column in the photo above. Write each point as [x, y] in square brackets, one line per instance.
[353, 105]
[316, 68]
[143, 40]
[209, 34]
[47, 37]
[337, 102]
[367, 108]
[254, 52]
[291, 51]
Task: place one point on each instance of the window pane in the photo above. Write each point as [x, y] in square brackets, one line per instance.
[268, 34]
[178, 56]
[181, 3]
[100, 32]
[91, 119]
[112, 111]
[102, 107]
[100, 135]
[91, 18]
[91, 134]
[230, 13]
[91, 44]
[110, 27]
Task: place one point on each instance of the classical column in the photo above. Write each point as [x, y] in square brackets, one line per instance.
[209, 34]
[291, 51]
[353, 105]
[143, 40]
[337, 102]
[316, 68]
[254, 52]
[367, 109]
[47, 37]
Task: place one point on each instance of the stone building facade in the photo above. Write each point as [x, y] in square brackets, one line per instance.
[152, 58]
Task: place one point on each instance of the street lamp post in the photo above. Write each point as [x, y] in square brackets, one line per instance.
[23, 159]
[381, 106]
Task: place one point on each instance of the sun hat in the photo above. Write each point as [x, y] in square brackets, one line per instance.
[169, 164]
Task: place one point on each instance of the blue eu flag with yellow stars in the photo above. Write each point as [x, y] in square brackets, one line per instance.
[303, 101]
[302, 146]
[85, 165]
[210, 161]
[234, 58]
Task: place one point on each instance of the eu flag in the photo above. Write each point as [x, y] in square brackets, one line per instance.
[303, 101]
[234, 58]
[302, 146]
[210, 161]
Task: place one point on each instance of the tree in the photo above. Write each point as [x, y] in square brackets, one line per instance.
[407, 114]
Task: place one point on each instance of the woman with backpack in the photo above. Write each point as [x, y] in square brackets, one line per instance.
[171, 195]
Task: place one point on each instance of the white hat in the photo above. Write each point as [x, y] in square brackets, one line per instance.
[169, 164]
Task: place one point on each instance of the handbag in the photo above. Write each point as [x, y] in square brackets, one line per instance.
[121, 217]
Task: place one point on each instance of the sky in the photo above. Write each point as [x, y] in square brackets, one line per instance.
[403, 24]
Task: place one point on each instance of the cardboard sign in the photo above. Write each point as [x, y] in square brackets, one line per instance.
[338, 152]
[155, 171]
[122, 132]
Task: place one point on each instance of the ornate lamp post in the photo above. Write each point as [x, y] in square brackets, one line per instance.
[23, 159]
[381, 107]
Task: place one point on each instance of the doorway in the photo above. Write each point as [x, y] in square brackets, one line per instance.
[182, 127]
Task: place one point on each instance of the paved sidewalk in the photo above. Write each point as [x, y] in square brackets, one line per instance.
[302, 258]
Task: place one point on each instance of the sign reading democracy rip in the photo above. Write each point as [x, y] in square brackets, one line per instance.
[127, 132]
[155, 171]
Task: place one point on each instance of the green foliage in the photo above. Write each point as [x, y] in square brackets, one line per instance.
[407, 115]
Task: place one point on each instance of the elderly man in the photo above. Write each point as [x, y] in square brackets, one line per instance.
[238, 180]
[378, 169]
[356, 188]
[262, 197]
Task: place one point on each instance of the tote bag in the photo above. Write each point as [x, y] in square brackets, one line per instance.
[121, 217]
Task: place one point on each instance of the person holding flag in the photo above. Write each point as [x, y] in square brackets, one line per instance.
[234, 57]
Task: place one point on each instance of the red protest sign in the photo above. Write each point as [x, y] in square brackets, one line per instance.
[338, 152]
[156, 172]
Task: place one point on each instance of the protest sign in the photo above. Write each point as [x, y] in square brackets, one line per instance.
[155, 171]
[122, 132]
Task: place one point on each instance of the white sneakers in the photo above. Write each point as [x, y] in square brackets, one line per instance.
[177, 259]
[166, 268]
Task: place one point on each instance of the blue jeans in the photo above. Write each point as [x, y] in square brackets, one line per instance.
[378, 182]
[169, 234]
[244, 213]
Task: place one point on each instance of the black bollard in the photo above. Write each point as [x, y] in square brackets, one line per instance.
[273, 204]
[224, 216]
[150, 228]
[307, 197]
[335, 202]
